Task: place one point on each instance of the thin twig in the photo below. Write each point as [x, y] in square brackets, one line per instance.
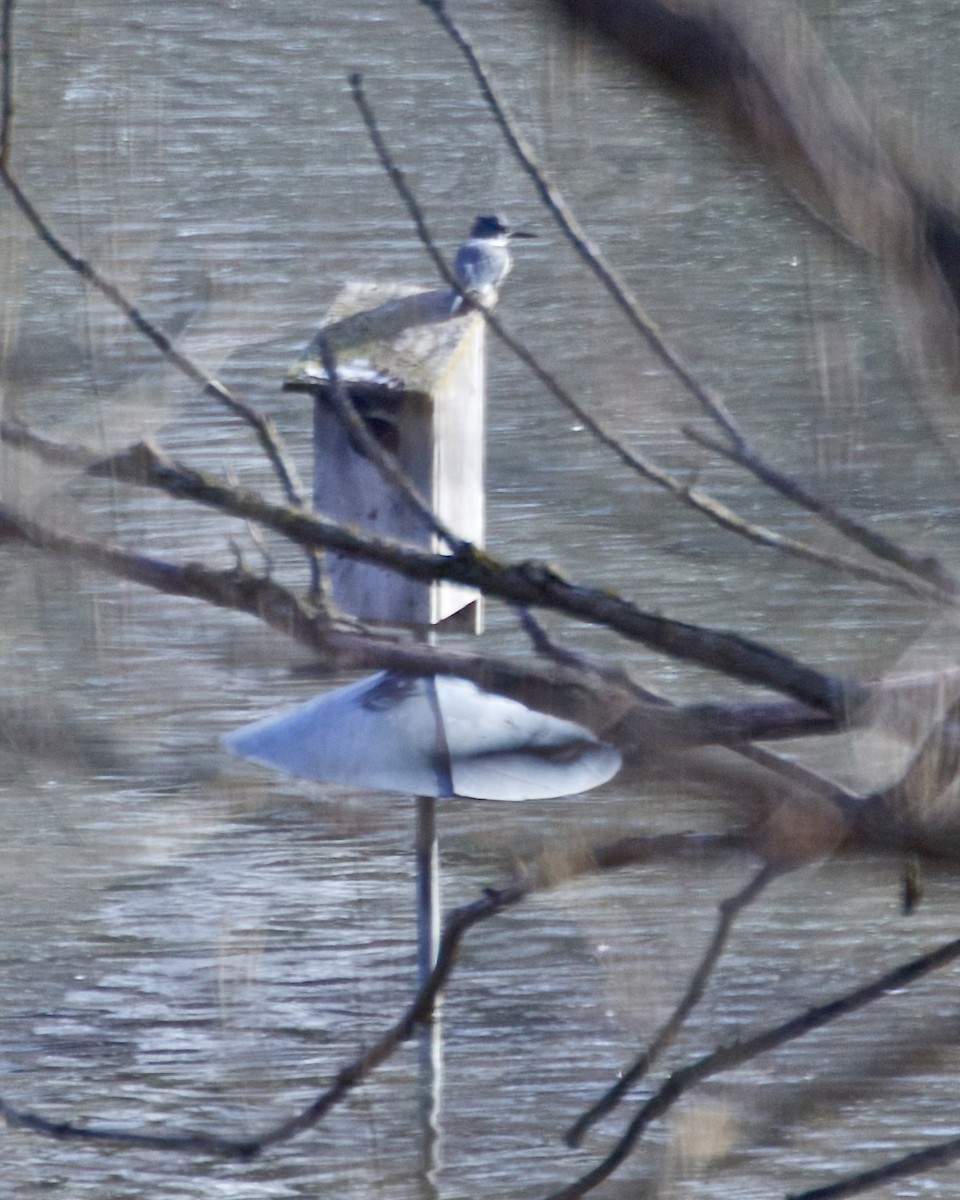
[726, 1058]
[796, 773]
[547, 647]
[263, 428]
[938, 1155]
[926, 567]
[666, 1034]
[404, 191]
[6, 84]
[419, 1012]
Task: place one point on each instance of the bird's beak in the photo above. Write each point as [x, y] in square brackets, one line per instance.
[522, 233]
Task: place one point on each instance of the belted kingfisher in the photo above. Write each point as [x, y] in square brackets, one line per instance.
[484, 261]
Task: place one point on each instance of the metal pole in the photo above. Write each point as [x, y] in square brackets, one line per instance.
[428, 887]
[439, 447]
[429, 1042]
[427, 851]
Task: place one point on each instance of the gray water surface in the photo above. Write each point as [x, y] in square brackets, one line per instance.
[189, 942]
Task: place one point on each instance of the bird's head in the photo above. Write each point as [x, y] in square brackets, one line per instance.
[494, 226]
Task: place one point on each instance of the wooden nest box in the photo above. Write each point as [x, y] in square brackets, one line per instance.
[416, 376]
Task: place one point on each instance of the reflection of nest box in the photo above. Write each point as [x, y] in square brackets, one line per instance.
[416, 376]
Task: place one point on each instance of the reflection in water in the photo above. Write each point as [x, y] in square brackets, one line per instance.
[430, 1051]
[188, 944]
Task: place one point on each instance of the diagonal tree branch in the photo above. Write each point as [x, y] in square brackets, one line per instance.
[353, 1074]
[667, 1033]
[727, 1058]
[939, 1155]
[264, 430]
[944, 586]
[525, 583]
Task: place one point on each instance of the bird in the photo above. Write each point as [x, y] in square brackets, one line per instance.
[484, 260]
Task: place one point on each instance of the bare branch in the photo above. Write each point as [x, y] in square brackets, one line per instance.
[939, 1155]
[666, 1034]
[588, 695]
[526, 583]
[348, 1078]
[610, 700]
[6, 84]
[943, 586]
[263, 428]
[726, 1058]
[421, 1009]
